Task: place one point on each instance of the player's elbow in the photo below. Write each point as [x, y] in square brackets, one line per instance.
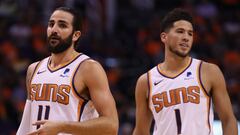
[114, 127]
[111, 127]
[140, 131]
[229, 125]
[229, 119]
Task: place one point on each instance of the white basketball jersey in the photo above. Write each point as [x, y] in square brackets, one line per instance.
[180, 105]
[54, 96]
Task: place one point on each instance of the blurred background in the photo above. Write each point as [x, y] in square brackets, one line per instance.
[123, 35]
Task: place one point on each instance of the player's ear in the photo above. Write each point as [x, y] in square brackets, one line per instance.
[163, 36]
[76, 35]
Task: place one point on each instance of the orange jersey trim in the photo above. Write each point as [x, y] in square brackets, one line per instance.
[81, 106]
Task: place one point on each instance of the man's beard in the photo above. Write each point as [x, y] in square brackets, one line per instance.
[178, 53]
[59, 47]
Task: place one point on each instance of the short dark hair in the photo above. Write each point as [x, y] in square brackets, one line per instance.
[77, 20]
[173, 16]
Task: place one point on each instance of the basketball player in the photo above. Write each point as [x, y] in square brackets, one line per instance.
[178, 93]
[68, 93]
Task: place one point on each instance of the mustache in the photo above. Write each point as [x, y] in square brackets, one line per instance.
[54, 36]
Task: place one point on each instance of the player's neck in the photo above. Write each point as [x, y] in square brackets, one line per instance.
[57, 60]
[175, 63]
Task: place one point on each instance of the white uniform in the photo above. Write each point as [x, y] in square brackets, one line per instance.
[180, 105]
[54, 96]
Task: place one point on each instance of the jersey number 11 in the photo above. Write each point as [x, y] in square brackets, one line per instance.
[40, 111]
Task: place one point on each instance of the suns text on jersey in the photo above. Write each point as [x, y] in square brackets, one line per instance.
[50, 92]
[190, 94]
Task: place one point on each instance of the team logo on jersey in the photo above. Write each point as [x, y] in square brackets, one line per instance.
[188, 76]
[50, 92]
[176, 96]
[65, 73]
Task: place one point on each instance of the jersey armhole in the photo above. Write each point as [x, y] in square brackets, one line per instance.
[34, 71]
[200, 79]
[149, 81]
[206, 94]
[73, 78]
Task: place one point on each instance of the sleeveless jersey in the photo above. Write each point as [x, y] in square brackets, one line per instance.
[180, 105]
[54, 96]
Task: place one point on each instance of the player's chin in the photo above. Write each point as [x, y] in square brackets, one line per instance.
[53, 42]
[185, 51]
[183, 54]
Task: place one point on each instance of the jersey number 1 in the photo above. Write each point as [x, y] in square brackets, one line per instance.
[178, 121]
[40, 110]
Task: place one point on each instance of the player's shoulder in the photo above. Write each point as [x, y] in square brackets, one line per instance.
[143, 78]
[142, 81]
[30, 71]
[89, 65]
[90, 68]
[209, 68]
[142, 86]
[32, 66]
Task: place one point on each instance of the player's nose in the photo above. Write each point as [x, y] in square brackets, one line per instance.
[185, 37]
[54, 29]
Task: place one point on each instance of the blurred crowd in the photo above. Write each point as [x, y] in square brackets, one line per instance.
[123, 35]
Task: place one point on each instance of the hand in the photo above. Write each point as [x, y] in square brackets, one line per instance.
[47, 128]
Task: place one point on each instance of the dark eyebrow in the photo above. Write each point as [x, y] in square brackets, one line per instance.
[60, 21]
[190, 31]
[50, 21]
[184, 29]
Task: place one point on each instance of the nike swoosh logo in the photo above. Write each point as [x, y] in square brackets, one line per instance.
[39, 72]
[156, 83]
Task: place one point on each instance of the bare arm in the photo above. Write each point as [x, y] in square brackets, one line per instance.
[92, 76]
[95, 79]
[221, 100]
[30, 73]
[24, 126]
[143, 113]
